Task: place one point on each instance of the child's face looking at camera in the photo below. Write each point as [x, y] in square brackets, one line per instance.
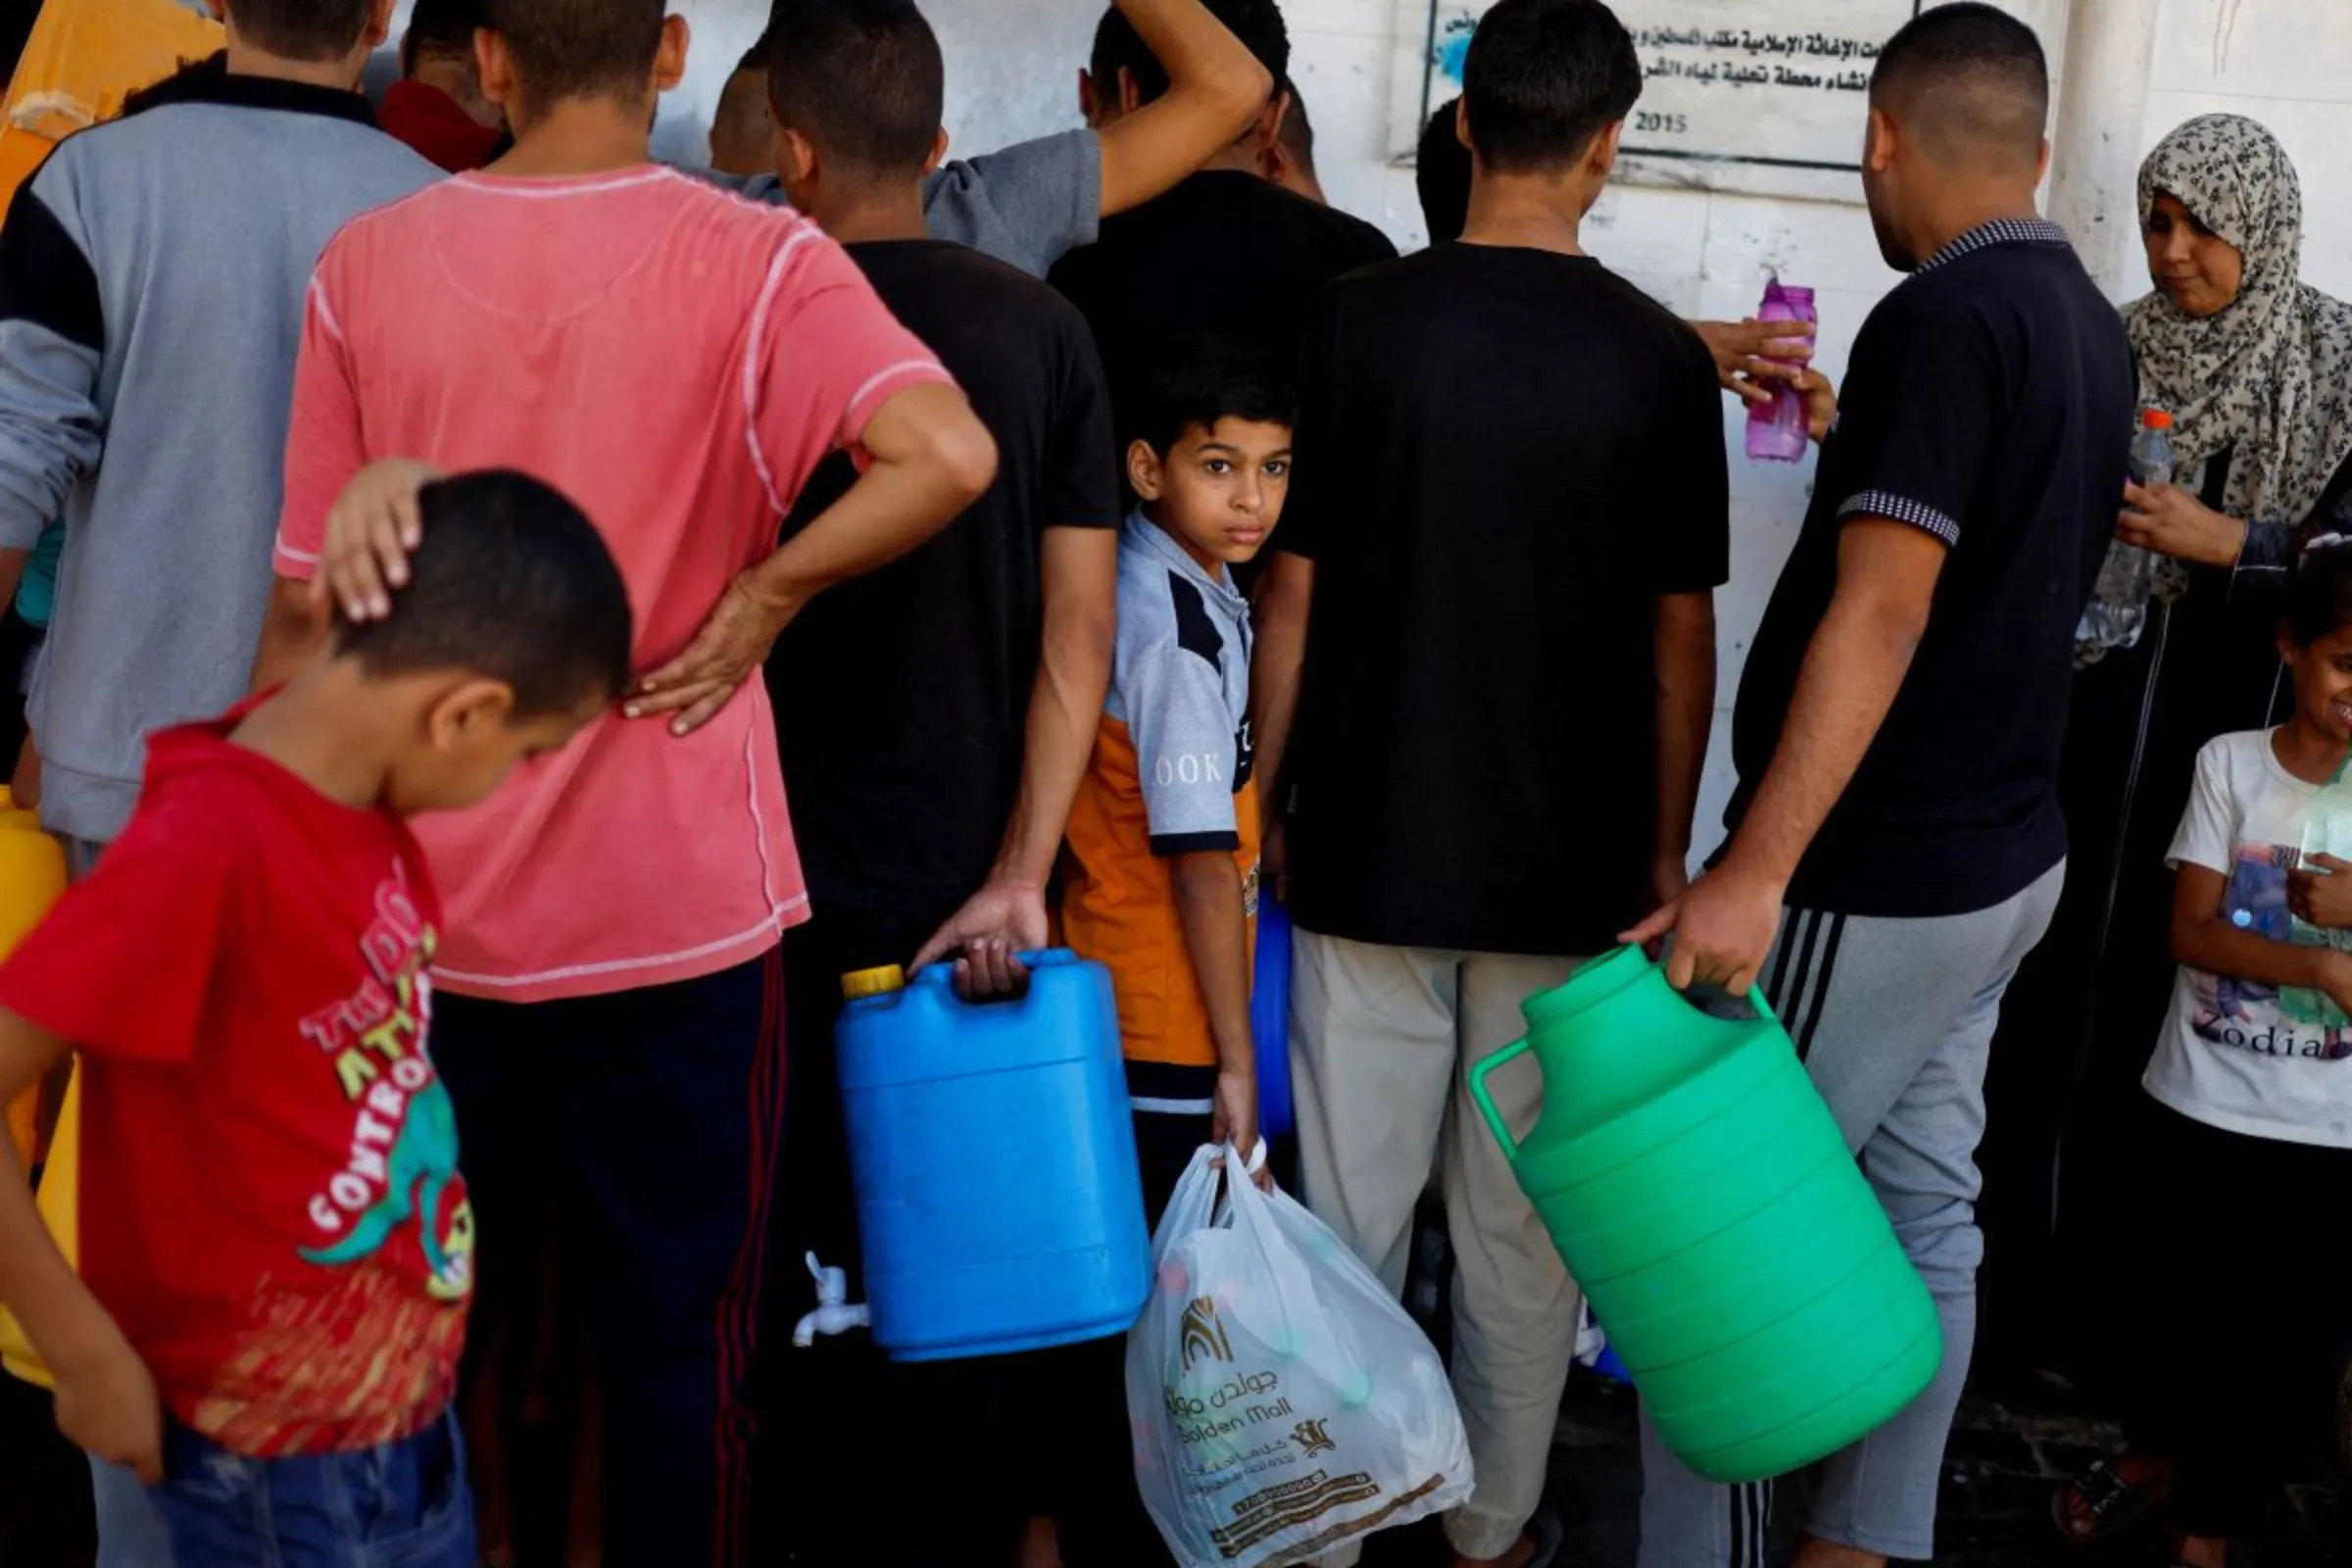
[2323, 671]
[1220, 489]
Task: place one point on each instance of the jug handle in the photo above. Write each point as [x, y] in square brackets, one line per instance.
[1485, 1101]
[944, 973]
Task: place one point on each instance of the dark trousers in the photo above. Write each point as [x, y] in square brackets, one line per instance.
[969, 1427]
[1102, 1517]
[657, 1115]
[2248, 1291]
[837, 1408]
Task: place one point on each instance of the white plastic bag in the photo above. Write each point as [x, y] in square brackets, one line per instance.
[1282, 1402]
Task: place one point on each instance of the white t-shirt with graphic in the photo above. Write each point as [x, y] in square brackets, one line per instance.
[2235, 1054]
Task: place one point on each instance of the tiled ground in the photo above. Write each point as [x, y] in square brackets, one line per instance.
[1997, 1486]
[2003, 1465]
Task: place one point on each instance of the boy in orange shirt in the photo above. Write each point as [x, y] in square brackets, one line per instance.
[1163, 839]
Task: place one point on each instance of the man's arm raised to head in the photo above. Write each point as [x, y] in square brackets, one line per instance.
[1216, 88]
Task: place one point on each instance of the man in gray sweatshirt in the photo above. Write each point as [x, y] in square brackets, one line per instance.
[152, 274]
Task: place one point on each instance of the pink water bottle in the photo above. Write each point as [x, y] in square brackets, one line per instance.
[1778, 431]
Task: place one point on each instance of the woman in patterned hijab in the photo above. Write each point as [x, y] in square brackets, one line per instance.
[2256, 370]
[2254, 365]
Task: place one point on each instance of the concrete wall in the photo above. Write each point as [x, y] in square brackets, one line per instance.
[1012, 65]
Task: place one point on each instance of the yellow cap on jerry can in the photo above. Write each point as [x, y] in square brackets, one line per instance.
[862, 983]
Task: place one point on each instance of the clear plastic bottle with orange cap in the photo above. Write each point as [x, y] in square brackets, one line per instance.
[2118, 610]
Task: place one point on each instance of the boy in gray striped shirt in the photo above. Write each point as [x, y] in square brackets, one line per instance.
[1163, 840]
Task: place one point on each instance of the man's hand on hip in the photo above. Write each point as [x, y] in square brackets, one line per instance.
[727, 652]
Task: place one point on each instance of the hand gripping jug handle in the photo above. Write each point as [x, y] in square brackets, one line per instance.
[944, 972]
[1485, 1098]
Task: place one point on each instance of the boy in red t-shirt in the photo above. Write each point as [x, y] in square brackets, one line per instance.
[680, 362]
[276, 1248]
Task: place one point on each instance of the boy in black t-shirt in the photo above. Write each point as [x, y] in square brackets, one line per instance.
[1226, 254]
[1900, 724]
[936, 716]
[741, 141]
[1509, 515]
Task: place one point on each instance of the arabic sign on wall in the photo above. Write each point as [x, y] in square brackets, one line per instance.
[1763, 96]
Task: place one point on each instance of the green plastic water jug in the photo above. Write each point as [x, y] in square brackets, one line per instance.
[1700, 1193]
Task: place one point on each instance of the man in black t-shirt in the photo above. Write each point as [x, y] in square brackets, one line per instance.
[1492, 614]
[1227, 254]
[1900, 722]
[935, 721]
[1290, 161]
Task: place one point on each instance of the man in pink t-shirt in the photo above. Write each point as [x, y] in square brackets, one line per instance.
[678, 360]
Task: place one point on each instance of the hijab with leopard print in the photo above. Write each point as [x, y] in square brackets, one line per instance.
[2270, 374]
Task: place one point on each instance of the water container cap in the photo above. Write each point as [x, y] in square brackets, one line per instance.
[880, 982]
[2156, 419]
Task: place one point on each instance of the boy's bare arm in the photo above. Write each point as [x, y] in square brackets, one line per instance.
[1686, 713]
[106, 1400]
[2204, 939]
[1216, 933]
[1080, 578]
[1216, 88]
[1852, 671]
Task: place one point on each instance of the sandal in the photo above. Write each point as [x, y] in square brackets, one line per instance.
[2111, 1502]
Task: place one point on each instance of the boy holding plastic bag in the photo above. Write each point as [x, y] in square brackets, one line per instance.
[1283, 1403]
[1260, 1431]
[1161, 871]
[1163, 839]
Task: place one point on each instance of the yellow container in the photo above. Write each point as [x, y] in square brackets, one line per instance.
[57, 1198]
[82, 59]
[32, 874]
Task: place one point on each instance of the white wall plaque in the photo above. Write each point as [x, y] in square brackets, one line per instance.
[1768, 97]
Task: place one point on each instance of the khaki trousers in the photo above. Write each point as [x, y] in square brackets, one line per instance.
[1380, 1041]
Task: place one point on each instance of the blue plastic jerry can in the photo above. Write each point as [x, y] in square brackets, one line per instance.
[999, 1202]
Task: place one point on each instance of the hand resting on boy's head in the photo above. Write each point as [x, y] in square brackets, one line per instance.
[370, 529]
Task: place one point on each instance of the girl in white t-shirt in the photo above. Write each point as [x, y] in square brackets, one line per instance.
[2256, 1063]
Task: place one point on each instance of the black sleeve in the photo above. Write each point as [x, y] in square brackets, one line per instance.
[1918, 413]
[1318, 446]
[1081, 479]
[2332, 512]
[1373, 246]
[2271, 546]
[1690, 530]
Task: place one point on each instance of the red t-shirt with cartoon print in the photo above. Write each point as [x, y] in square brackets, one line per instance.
[269, 1201]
